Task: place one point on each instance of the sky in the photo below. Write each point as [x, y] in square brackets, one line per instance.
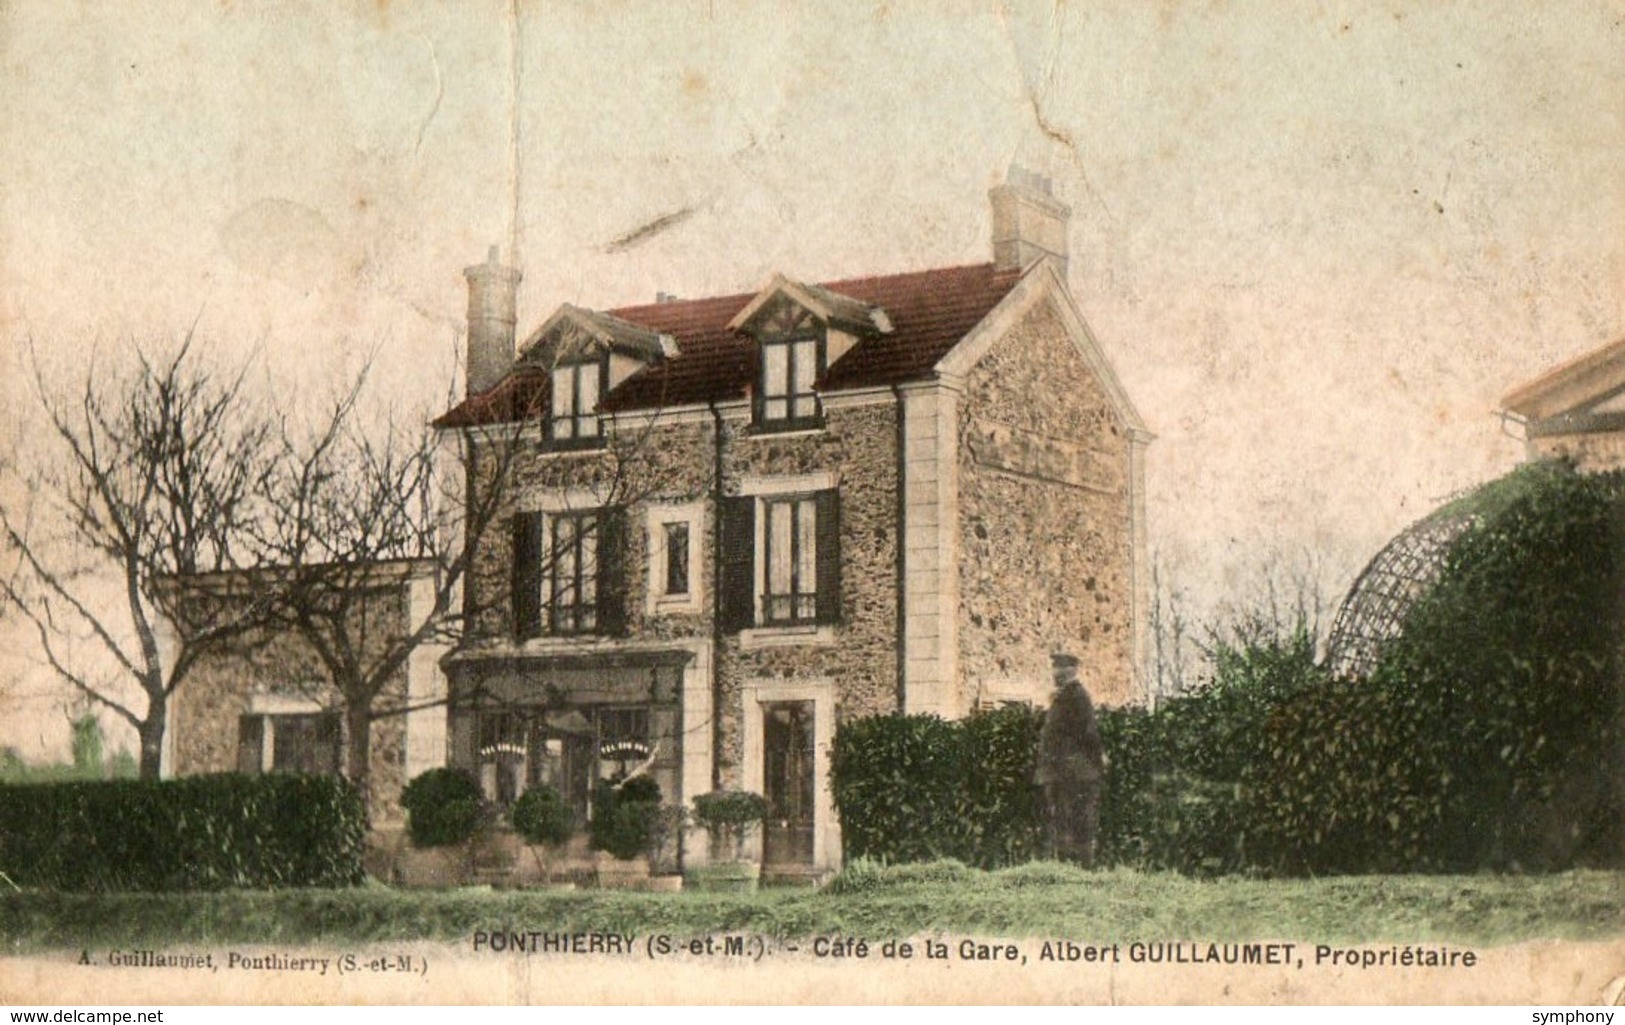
[1317, 241]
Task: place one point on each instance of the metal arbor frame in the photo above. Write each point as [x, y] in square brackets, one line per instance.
[1382, 596]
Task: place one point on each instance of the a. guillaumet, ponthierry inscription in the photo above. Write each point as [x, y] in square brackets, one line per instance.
[263, 961]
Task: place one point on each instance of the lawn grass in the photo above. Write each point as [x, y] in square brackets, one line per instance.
[1044, 900]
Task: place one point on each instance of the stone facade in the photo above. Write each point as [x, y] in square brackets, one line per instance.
[725, 526]
[1046, 530]
[978, 520]
[785, 510]
[225, 715]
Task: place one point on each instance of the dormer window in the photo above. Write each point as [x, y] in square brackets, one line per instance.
[573, 419]
[790, 366]
[800, 330]
[587, 355]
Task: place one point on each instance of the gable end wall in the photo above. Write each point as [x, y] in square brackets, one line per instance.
[1046, 519]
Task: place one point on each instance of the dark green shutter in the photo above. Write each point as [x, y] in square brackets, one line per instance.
[829, 556]
[250, 743]
[737, 560]
[612, 559]
[527, 575]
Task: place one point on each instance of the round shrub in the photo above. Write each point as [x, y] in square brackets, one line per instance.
[541, 816]
[625, 817]
[443, 807]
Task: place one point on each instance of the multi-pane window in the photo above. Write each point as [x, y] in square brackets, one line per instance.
[789, 370]
[298, 743]
[575, 403]
[676, 559]
[505, 755]
[569, 572]
[572, 605]
[790, 551]
[780, 560]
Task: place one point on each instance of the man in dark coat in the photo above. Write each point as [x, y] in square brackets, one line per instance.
[1071, 767]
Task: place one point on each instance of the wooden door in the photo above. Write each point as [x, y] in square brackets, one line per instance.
[789, 779]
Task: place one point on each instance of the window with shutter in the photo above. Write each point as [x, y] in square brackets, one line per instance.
[572, 603]
[790, 561]
[781, 564]
[569, 573]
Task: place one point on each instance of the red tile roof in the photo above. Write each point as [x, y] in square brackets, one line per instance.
[930, 311]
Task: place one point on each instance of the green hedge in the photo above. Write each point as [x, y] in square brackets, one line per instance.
[1155, 814]
[193, 833]
[918, 788]
[1490, 735]
[1177, 794]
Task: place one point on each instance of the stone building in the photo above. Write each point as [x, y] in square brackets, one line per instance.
[262, 701]
[1576, 410]
[732, 523]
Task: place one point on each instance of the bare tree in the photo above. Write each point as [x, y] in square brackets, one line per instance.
[362, 507]
[1174, 652]
[1280, 602]
[139, 478]
[365, 509]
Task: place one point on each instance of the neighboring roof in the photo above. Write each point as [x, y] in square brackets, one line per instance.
[1585, 381]
[928, 311]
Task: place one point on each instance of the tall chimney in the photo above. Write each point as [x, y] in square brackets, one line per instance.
[493, 298]
[1029, 223]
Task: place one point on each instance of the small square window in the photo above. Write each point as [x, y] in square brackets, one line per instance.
[675, 542]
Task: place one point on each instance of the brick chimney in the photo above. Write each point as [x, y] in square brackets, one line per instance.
[1029, 223]
[493, 292]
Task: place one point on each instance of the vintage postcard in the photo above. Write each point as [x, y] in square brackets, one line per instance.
[730, 502]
